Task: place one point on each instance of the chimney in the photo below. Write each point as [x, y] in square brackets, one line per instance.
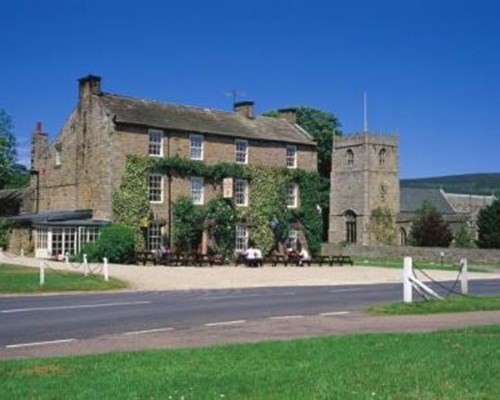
[245, 108]
[89, 85]
[39, 146]
[290, 114]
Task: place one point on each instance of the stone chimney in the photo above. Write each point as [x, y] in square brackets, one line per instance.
[88, 85]
[290, 114]
[39, 146]
[245, 108]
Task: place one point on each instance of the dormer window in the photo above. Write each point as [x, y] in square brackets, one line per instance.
[155, 142]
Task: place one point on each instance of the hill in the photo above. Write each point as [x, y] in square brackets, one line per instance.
[485, 184]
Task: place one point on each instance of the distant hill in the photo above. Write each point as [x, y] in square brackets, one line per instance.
[484, 184]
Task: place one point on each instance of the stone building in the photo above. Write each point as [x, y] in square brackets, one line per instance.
[365, 176]
[82, 168]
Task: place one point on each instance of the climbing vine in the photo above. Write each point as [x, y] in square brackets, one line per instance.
[267, 214]
[220, 220]
[131, 201]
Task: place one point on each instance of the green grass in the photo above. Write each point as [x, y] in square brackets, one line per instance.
[461, 364]
[452, 304]
[15, 279]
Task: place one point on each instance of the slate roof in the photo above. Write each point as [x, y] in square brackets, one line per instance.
[468, 203]
[411, 199]
[57, 217]
[203, 120]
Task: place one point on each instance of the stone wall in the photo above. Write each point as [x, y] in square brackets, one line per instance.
[488, 256]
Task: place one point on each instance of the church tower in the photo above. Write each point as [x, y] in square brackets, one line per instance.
[365, 175]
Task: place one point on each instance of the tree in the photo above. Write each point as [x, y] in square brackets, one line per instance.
[188, 225]
[18, 178]
[463, 238]
[382, 226]
[7, 147]
[488, 224]
[429, 228]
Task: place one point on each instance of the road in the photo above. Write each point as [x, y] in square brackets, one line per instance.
[29, 320]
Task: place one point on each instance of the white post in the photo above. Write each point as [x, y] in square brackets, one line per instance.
[42, 273]
[22, 252]
[464, 284]
[106, 269]
[85, 265]
[66, 261]
[407, 285]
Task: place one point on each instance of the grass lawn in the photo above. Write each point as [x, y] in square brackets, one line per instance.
[452, 304]
[15, 279]
[462, 364]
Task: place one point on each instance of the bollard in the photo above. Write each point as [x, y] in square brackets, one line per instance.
[22, 252]
[106, 269]
[85, 265]
[42, 273]
[464, 284]
[407, 285]
[66, 261]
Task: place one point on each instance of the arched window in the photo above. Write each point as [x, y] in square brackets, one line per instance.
[350, 227]
[381, 157]
[403, 237]
[349, 155]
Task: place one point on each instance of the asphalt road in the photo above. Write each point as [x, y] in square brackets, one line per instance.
[26, 320]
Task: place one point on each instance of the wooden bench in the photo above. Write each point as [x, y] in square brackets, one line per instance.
[145, 256]
[341, 260]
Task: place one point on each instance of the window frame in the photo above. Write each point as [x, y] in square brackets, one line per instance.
[241, 241]
[201, 181]
[152, 133]
[154, 231]
[236, 152]
[150, 176]
[237, 193]
[193, 139]
[292, 193]
[292, 157]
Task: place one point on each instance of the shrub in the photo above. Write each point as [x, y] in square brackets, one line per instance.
[488, 224]
[429, 228]
[188, 225]
[4, 233]
[220, 220]
[116, 242]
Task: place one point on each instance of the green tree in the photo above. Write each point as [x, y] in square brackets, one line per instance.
[18, 178]
[429, 229]
[463, 238]
[381, 225]
[220, 219]
[488, 224]
[7, 148]
[188, 225]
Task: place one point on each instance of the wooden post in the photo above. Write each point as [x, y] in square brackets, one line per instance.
[407, 285]
[106, 269]
[464, 284]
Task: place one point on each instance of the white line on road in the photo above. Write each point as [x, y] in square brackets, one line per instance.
[327, 314]
[239, 321]
[14, 346]
[149, 331]
[18, 310]
[347, 290]
[287, 317]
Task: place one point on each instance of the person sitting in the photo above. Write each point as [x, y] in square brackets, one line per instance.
[250, 256]
[258, 257]
[304, 256]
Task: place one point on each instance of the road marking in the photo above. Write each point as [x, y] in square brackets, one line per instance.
[239, 321]
[18, 310]
[233, 296]
[14, 346]
[328, 314]
[346, 290]
[287, 317]
[149, 331]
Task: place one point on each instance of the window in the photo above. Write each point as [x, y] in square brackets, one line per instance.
[196, 147]
[63, 241]
[291, 156]
[241, 237]
[155, 142]
[403, 237]
[241, 192]
[197, 189]
[349, 155]
[351, 234]
[155, 188]
[87, 234]
[58, 160]
[155, 238]
[292, 195]
[381, 157]
[241, 151]
[41, 238]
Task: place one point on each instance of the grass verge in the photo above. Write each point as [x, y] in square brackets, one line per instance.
[462, 364]
[15, 279]
[452, 304]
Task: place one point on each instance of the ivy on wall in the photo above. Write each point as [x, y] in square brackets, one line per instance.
[131, 201]
[268, 197]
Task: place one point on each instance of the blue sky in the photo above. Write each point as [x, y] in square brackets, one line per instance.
[431, 68]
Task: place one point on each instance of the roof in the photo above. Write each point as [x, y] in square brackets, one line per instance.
[136, 111]
[412, 199]
[468, 203]
[52, 216]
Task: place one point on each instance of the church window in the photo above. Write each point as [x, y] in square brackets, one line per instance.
[381, 157]
[350, 157]
[403, 237]
[351, 228]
